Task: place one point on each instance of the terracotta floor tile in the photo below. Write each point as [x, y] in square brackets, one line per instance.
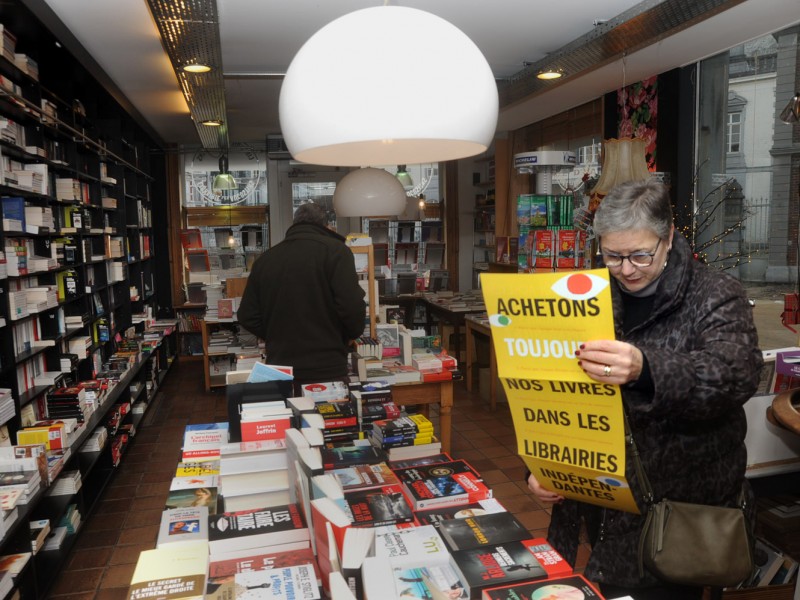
[494, 451]
[505, 490]
[124, 555]
[493, 476]
[97, 539]
[507, 462]
[89, 558]
[152, 489]
[534, 519]
[107, 507]
[72, 582]
[119, 593]
[117, 576]
[141, 518]
[521, 503]
[139, 535]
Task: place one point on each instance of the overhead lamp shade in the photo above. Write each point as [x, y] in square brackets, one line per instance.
[342, 103]
[404, 177]
[623, 160]
[223, 181]
[369, 192]
[791, 112]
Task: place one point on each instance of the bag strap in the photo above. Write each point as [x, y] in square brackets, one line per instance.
[647, 489]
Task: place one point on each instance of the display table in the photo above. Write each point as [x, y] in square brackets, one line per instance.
[452, 313]
[427, 393]
[479, 326]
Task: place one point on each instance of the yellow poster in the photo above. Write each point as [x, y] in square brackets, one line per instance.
[570, 428]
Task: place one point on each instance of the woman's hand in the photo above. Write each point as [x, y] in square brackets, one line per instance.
[610, 361]
[542, 494]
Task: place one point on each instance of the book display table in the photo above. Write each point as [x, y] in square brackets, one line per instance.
[427, 393]
[447, 310]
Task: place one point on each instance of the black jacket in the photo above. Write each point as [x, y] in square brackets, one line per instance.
[303, 299]
[701, 347]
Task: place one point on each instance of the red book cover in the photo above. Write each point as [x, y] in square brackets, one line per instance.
[265, 429]
[542, 256]
[443, 376]
[574, 586]
[551, 561]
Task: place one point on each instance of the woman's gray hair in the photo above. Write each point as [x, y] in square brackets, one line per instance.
[311, 213]
[635, 205]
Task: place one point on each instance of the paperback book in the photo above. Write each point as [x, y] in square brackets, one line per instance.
[574, 587]
[459, 511]
[175, 571]
[297, 582]
[492, 565]
[442, 484]
[378, 506]
[256, 528]
[411, 547]
[182, 525]
[483, 530]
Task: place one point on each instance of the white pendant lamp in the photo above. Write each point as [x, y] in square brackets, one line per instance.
[342, 102]
[369, 192]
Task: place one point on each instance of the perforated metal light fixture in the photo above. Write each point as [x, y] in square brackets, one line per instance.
[190, 34]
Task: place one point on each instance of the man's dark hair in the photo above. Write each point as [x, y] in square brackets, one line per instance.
[311, 213]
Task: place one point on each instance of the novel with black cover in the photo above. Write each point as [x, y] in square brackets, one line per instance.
[378, 506]
[473, 532]
[255, 528]
[496, 564]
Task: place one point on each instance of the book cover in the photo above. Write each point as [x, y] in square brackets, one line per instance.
[459, 511]
[182, 525]
[191, 469]
[365, 476]
[226, 568]
[430, 459]
[434, 582]
[297, 582]
[491, 565]
[265, 428]
[575, 587]
[174, 571]
[205, 435]
[348, 456]
[205, 496]
[442, 484]
[378, 506]
[192, 482]
[411, 547]
[552, 562]
[256, 528]
[472, 532]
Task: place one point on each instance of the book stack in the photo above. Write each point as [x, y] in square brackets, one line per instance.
[67, 402]
[264, 420]
[160, 571]
[202, 441]
[40, 529]
[330, 391]
[71, 520]
[409, 436]
[96, 440]
[14, 563]
[442, 484]
[7, 410]
[55, 538]
[27, 481]
[66, 485]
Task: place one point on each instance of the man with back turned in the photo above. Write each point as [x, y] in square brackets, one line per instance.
[303, 299]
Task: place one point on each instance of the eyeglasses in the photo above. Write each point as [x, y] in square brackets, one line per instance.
[637, 259]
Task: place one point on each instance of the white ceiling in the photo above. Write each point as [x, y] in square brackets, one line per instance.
[262, 36]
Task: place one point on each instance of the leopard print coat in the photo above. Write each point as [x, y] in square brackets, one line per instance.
[702, 349]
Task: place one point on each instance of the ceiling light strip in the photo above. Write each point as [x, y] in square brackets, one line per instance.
[190, 34]
[635, 28]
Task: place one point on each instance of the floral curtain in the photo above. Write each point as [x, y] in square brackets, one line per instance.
[637, 114]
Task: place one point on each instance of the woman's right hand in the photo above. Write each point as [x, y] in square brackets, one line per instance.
[542, 494]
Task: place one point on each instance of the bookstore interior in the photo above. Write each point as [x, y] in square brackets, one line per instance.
[128, 240]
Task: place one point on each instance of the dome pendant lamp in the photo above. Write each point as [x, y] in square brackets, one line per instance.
[342, 103]
[369, 192]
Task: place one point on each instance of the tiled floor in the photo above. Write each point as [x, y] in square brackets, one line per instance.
[127, 519]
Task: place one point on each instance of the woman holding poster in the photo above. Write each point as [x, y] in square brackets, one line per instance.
[687, 359]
